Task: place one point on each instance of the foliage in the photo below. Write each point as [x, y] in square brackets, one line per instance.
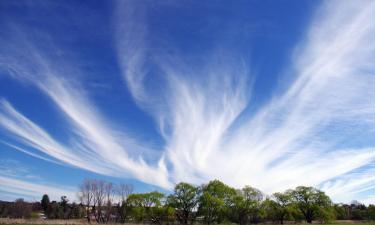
[147, 207]
[246, 206]
[184, 200]
[211, 203]
[215, 201]
[279, 207]
[310, 201]
[45, 203]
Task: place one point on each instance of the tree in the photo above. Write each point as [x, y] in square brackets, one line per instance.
[253, 199]
[123, 191]
[184, 199]
[279, 205]
[109, 192]
[86, 195]
[341, 211]
[76, 211]
[146, 206]
[135, 207]
[156, 212]
[310, 201]
[64, 206]
[98, 197]
[45, 203]
[245, 206]
[370, 214]
[20, 209]
[238, 212]
[215, 201]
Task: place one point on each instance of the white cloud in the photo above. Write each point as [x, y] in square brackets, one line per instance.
[17, 181]
[31, 190]
[297, 138]
[94, 145]
[204, 114]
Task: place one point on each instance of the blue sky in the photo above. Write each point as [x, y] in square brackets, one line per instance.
[272, 94]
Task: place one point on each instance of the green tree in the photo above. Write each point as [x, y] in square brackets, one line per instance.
[341, 211]
[238, 211]
[370, 214]
[253, 200]
[310, 201]
[279, 206]
[123, 211]
[135, 207]
[155, 211]
[246, 205]
[215, 201]
[184, 199]
[146, 206]
[325, 214]
[45, 203]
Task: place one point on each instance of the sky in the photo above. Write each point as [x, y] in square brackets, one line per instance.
[272, 94]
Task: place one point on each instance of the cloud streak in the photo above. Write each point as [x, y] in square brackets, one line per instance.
[296, 138]
[29, 190]
[18, 182]
[94, 146]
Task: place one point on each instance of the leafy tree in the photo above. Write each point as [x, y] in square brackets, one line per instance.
[215, 201]
[279, 206]
[184, 200]
[123, 211]
[310, 201]
[325, 214]
[146, 206]
[238, 211]
[45, 203]
[253, 199]
[123, 191]
[370, 215]
[155, 211]
[341, 211]
[135, 207]
[246, 205]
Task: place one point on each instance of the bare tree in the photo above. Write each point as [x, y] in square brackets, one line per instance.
[20, 209]
[99, 198]
[109, 192]
[86, 195]
[124, 190]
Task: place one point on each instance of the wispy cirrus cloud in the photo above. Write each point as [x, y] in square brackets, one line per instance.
[314, 131]
[31, 189]
[17, 181]
[94, 146]
[299, 137]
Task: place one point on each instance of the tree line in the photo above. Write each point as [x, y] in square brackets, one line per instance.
[211, 203]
